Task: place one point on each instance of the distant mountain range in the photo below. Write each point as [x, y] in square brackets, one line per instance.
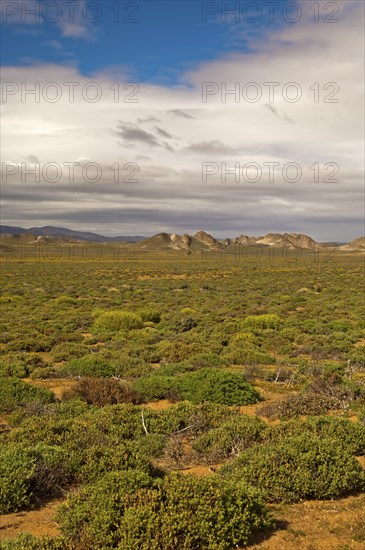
[50, 231]
[172, 241]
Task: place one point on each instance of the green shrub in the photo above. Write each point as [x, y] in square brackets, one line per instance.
[357, 356]
[185, 324]
[154, 387]
[68, 350]
[299, 467]
[19, 365]
[16, 470]
[36, 342]
[13, 369]
[16, 393]
[149, 315]
[210, 384]
[188, 512]
[248, 355]
[102, 458]
[266, 321]
[129, 510]
[173, 369]
[244, 338]
[216, 386]
[92, 515]
[46, 372]
[113, 321]
[126, 366]
[350, 434]
[26, 541]
[187, 311]
[90, 365]
[53, 470]
[229, 439]
[193, 419]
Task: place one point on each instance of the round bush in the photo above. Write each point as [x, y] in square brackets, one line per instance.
[16, 393]
[296, 468]
[25, 541]
[16, 470]
[149, 315]
[229, 439]
[90, 365]
[268, 320]
[113, 321]
[130, 510]
[216, 386]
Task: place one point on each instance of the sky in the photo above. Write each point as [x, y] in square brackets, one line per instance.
[137, 117]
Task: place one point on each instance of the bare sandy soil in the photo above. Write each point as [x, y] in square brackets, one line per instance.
[36, 522]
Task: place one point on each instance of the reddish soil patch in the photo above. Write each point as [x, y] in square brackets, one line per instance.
[57, 385]
[360, 343]
[318, 525]
[4, 426]
[155, 365]
[46, 356]
[159, 405]
[36, 522]
[269, 396]
[198, 470]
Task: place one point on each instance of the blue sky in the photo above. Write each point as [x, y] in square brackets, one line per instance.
[157, 40]
[180, 145]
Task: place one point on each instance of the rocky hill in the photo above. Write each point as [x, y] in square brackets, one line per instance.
[202, 239]
[288, 240]
[357, 244]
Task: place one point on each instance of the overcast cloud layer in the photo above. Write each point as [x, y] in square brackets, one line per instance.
[169, 132]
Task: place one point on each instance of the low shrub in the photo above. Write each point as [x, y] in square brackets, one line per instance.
[114, 321]
[247, 355]
[308, 403]
[193, 419]
[104, 391]
[16, 470]
[68, 350]
[130, 510]
[19, 365]
[90, 365]
[46, 372]
[25, 541]
[216, 386]
[350, 434]
[210, 384]
[53, 470]
[36, 342]
[229, 439]
[357, 356]
[149, 315]
[185, 324]
[154, 387]
[16, 393]
[299, 467]
[266, 321]
[102, 458]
